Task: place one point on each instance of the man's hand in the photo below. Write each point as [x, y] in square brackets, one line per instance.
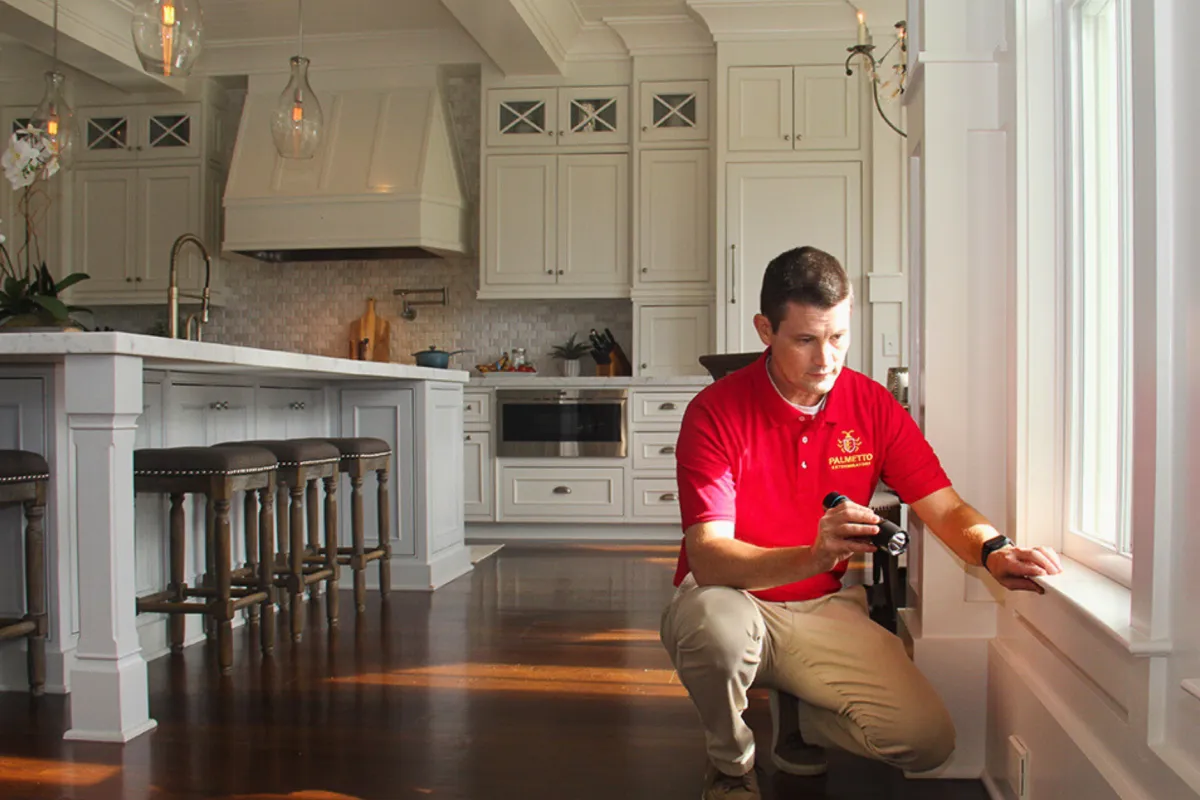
[845, 529]
[1013, 567]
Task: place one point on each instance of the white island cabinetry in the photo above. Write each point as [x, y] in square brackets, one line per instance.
[86, 401]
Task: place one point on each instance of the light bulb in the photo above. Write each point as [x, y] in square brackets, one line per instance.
[55, 120]
[168, 35]
[297, 122]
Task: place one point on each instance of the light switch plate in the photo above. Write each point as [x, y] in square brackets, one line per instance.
[891, 344]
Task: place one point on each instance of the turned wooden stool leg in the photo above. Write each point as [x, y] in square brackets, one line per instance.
[250, 512]
[223, 563]
[358, 559]
[266, 561]
[312, 505]
[283, 536]
[385, 536]
[35, 593]
[178, 556]
[295, 578]
[331, 549]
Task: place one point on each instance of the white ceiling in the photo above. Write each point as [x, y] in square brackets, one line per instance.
[233, 20]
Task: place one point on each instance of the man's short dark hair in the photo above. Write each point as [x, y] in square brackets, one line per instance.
[805, 276]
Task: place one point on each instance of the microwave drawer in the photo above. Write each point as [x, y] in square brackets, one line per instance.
[660, 406]
[656, 498]
[653, 450]
[552, 492]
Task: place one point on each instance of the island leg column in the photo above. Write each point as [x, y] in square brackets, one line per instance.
[109, 692]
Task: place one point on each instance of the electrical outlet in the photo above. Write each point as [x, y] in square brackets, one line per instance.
[891, 344]
[1018, 768]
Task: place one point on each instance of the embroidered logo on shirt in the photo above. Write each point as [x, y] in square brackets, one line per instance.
[850, 445]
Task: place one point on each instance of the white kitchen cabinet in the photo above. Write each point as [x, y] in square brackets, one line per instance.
[793, 108]
[671, 339]
[477, 476]
[673, 111]
[556, 226]
[126, 220]
[140, 133]
[660, 408]
[673, 219]
[656, 499]
[574, 493]
[578, 116]
[208, 415]
[654, 450]
[774, 207]
[286, 413]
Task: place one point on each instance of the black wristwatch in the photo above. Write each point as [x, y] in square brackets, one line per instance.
[991, 546]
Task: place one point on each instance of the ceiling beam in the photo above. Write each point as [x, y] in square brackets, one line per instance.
[522, 37]
[93, 37]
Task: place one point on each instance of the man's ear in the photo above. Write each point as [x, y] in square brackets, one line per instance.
[763, 326]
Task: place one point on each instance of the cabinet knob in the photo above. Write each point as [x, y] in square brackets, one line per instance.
[549, 133]
[560, 133]
[560, 272]
[668, 497]
[220, 405]
[645, 128]
[129, 280]
[643, 365]
[666, 407]
[138, 279]
[645, 270]
[549, 272]
[786, 137]
[466, 437]
[667, 450]
[139, 147]
[562, 489]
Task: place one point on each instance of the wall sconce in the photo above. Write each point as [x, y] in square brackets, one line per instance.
[872, 65]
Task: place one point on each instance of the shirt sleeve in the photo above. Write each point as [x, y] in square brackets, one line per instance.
[909, 465]
[704, 470]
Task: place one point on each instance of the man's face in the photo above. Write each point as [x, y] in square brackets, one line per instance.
[809, 349]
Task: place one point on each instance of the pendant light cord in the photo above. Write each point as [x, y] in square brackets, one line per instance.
[300, 14]
[56, 35]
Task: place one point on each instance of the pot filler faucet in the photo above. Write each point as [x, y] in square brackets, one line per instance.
[173, 293]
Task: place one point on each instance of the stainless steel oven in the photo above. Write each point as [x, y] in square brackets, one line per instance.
[577, 423]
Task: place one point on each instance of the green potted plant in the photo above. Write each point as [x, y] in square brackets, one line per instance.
[569, 353]
[29, 295]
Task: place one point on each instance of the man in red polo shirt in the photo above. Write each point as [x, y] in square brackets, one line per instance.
[760, 596]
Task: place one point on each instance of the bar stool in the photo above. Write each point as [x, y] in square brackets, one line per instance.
[23, 479]
[303, 462]
[218, 473]
[360, 455]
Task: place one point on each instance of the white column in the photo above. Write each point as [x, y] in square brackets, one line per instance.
[109, 692]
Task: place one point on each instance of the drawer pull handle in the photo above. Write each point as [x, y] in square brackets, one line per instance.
[562, 489]
[668, 450]
[297, 406]
[219, 406]
[669, 497]
[667, 407]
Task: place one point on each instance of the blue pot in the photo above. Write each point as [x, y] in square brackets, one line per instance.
[439, 359]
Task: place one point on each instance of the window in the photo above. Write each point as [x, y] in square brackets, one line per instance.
[1099, 289]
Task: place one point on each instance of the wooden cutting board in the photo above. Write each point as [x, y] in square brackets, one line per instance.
[370, 336]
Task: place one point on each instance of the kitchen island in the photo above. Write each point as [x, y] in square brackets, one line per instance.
[86, 401]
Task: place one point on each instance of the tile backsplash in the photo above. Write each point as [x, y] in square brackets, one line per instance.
[308, 307]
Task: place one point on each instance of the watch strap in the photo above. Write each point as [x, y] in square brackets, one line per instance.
[991, 546]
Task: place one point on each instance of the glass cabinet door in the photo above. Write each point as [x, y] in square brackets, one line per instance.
[170, 132]
[590, 115]
[521, 117]
[107, 134]
[674, 111]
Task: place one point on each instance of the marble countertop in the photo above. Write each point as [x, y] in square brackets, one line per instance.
[534, 381]
[158, 352]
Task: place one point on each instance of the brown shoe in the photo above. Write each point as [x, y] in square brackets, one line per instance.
[719, 786]
[789, 752]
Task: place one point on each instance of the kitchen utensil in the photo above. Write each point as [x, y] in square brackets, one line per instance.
[371, 336]
[433, 357]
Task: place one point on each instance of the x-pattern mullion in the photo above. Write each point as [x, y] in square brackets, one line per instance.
[170, 131]
[593, 115]
[106, 133]
[524, 117]
[674, 110]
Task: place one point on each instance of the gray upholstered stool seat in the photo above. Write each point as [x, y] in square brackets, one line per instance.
[23, 479]
[303, 462]
[218, 473]
[360, 455]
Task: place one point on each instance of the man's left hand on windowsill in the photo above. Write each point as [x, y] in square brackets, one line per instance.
[1013, 567]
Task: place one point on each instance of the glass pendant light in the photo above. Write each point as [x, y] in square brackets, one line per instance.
[297, 123]
[168, 35]
[53, 118]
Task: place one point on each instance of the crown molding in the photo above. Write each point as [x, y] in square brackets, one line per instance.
[662, 35]
[759, 20]
[598, 42]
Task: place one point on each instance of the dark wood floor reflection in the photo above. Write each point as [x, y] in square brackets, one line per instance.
[540, 675]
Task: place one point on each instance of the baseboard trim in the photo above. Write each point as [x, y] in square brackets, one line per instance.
[481, 532]
[991, 788]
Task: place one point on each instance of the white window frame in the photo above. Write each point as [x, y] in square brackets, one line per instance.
[1081, 334]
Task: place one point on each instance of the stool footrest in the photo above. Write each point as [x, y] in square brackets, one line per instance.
[316, 576]
[16, 628]
[249, 600]
[171, 607]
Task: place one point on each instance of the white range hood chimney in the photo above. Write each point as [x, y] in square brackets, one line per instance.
[383, 185]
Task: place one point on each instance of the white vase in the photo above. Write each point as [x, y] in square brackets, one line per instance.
[570, 368]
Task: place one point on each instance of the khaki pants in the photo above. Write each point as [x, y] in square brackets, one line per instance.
[858, 689]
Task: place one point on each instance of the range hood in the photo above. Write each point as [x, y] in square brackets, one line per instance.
[384, 184]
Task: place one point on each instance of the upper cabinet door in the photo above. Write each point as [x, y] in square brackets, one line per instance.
[826, 109]
[170, 131]
[760, 108]
[590, 115]
[673, 111]
[169, 205]
[519, 220]
[593, 215]
[107, 133]
[105, 230]
[522, 117]
[673, 214]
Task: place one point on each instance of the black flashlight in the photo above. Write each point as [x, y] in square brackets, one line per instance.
[890, 538]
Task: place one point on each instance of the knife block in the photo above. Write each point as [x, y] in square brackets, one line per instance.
[618, 365]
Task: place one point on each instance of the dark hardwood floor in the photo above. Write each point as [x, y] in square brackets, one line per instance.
[538, 676]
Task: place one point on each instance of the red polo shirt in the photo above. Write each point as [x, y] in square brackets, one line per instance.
[747, 455]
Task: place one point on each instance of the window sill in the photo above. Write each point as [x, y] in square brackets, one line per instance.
[1105, 603]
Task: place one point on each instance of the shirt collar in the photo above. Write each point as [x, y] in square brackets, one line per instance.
[780, 411]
